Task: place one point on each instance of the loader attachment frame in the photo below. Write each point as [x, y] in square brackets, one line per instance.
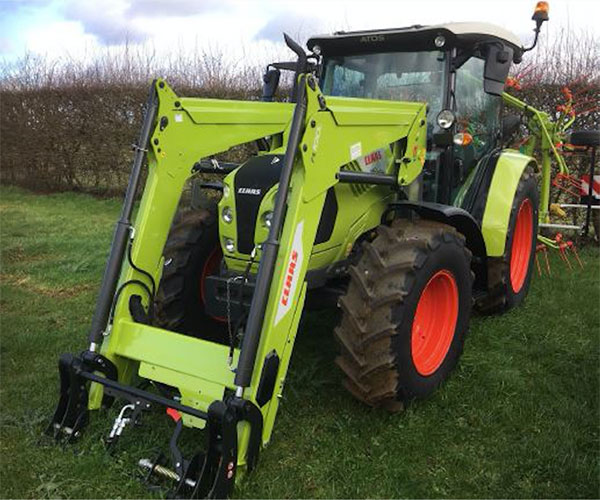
[236, 398]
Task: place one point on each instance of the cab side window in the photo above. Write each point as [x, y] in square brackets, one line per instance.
[477, 113]
[345, 82]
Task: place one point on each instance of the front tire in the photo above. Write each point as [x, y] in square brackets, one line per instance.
[192, 253]
[406, 313]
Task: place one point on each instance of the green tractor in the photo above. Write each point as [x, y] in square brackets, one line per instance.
[382, 186]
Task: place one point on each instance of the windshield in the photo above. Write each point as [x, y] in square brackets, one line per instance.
[395, 76]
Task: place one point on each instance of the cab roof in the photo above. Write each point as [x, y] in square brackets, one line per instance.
[414, 38]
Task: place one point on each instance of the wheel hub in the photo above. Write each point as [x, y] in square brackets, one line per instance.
[521, 246]
[434, 322]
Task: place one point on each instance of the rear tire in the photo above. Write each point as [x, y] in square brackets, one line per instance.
[406, 313]
[509, 276]
[191, 253]
[585, 138]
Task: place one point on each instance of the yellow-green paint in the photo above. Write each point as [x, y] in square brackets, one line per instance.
[200, 128]
[188, 355]
[509, 168]
[357, 213]
[188, 137]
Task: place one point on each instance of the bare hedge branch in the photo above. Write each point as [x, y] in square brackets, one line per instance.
[67, 124]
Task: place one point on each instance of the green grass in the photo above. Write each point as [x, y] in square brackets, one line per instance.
[518, 418]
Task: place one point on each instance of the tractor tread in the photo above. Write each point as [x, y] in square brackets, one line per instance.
[379, 283]
[496, 300]
[187, 230]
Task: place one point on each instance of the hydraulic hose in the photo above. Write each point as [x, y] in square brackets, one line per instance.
[121, 234]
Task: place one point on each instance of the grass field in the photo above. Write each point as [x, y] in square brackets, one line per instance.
[519, 417]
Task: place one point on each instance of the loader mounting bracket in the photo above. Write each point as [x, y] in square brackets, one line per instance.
[71, 414]
[209, 473]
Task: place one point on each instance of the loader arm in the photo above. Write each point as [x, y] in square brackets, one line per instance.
[185, 131]
[240, 398]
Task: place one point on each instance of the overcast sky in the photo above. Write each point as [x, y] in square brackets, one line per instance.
[75, 28]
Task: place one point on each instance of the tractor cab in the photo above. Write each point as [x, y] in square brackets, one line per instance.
[458, 69]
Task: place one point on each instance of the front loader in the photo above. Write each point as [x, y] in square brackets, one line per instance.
[376, 188]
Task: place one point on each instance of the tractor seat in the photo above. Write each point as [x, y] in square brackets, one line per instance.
[585, 138]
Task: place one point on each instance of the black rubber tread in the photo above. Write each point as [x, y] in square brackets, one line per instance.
[501, 297]
[194, 234]
[585, 138]
[595, 222]
[378, 308]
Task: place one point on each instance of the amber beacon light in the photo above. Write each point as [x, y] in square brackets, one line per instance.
[541, 12]
[540, 16]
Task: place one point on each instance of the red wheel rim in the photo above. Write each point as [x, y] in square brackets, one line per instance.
[521, 246]
[434, 322]
[210, 267]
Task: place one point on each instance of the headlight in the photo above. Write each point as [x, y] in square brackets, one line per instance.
[227, 215]
[267, 218]
[445, 119]
[225, 191]
[229, 245]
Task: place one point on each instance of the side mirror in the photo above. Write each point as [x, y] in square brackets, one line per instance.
[270, 84]
[497, 65]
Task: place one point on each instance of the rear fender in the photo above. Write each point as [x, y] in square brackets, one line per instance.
[499, 199]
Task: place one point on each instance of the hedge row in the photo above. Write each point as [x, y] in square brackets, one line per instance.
[74, 138]
[79, 137]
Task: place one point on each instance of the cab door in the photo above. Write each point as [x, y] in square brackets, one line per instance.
[477, 117]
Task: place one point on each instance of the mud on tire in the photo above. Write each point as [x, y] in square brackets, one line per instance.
[376, 330]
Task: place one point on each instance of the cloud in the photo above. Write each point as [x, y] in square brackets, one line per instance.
[111, 26]
[6, 45]
[174, 8]
[295, 25]
[12, 6]
[120, 20]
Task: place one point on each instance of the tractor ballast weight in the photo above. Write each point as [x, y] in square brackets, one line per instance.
[333, 203]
